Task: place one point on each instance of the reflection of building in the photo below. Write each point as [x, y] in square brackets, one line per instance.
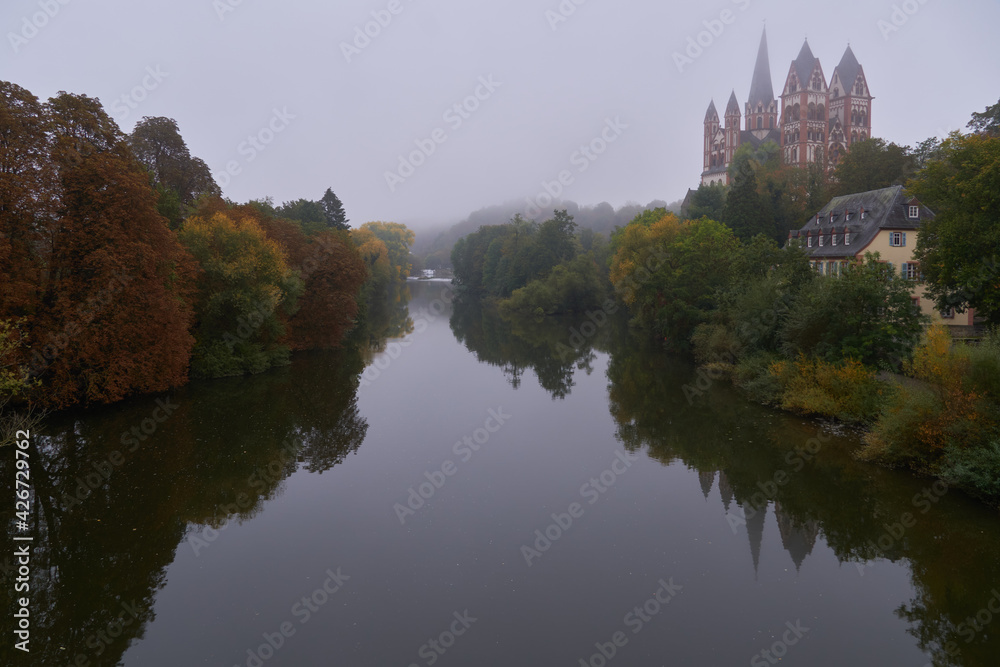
[884, 221]
[814, 121]
[798, 537]
[706, 478]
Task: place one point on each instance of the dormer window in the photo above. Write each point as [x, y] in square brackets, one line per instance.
[847, 237]
[914, 212]
[833, 237]
[818, 219]
[809, 240]
[847, 216]
[863, 212]
[821, 238]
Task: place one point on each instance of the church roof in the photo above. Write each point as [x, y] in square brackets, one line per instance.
[805, 64]
[711, 113]
[748, 137]
[734, 106]
[848, 68]
[760, 88]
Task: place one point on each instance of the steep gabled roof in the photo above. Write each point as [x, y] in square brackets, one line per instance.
[711, 114]
[848, 69]
[884, 209]
[760, 88]
[805, 64]
[734, 106]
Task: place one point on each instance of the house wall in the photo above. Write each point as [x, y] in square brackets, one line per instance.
[897, 255]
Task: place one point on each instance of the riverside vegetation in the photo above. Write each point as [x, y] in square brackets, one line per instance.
[123, 271]
[745, 308]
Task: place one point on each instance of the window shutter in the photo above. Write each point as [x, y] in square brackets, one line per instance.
[904, 239]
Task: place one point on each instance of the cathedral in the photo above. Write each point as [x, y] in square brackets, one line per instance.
[814, 121]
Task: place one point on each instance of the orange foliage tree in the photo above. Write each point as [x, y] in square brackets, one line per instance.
[332, 273]
[114, 312]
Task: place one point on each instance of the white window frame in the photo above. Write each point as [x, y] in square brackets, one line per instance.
[897, 239]
[914, 212]
[833, 237]
[847, 237]
[821, 238]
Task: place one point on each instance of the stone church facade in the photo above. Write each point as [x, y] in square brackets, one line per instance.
[814, 121]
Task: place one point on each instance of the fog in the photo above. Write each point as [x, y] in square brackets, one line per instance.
[533, 81]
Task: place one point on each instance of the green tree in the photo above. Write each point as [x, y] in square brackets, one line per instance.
[959, 249]
[243, 281]
[872, 164]
[669, 273]
[707, 202]
[987, 122]
[333, 211]
[746, 212]
[180, 178]
[866, 314]
[309, 214]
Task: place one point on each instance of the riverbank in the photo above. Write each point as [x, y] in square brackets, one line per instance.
[940, 419]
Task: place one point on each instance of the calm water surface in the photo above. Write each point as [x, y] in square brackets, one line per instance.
[490, 493]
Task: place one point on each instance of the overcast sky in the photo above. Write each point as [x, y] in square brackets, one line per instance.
[227, 70]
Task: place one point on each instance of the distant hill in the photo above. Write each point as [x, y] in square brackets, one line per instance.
[434, 246]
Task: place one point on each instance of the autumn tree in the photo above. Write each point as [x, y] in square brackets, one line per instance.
[669, 273]
[114, 313]
[243, 281]
[397, 238]
[332, 273]
[28, 190]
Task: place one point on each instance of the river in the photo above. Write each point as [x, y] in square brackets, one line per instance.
[484, 492]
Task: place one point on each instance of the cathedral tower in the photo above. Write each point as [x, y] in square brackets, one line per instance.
[850, 106]
[762, 108]
[804, 101]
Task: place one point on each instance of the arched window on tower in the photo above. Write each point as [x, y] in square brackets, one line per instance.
[820, 112]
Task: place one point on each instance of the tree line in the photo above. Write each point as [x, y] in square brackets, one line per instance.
[124, 271]
[727, 289]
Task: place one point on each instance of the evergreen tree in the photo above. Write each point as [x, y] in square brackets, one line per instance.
[333, 209]
[745, 211]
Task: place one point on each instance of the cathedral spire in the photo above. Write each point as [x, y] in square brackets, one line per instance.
[804, 64]
[848, 68]
[761, 89]
[711, 114]
[734, 106]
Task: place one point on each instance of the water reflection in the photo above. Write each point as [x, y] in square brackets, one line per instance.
[119, 490]
[753, 461]
[553, 348]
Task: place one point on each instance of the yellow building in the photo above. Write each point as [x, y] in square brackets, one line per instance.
[883, 221]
